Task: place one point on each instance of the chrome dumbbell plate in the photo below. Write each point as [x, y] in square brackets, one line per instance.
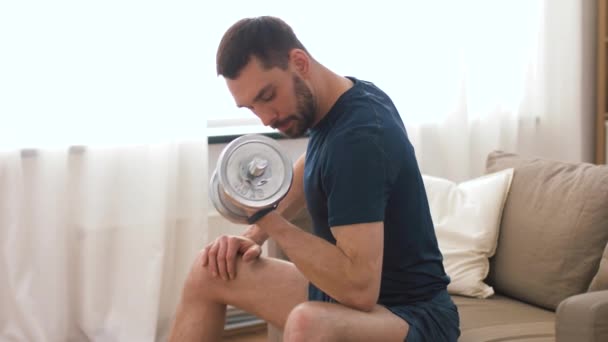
[222, 204]
[252, 171]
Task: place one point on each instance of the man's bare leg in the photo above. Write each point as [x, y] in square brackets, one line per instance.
[318, 321]
[268, 288]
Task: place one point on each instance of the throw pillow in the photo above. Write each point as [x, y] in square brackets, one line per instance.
[467, 219]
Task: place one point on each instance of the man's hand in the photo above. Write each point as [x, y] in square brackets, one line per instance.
[220, 256]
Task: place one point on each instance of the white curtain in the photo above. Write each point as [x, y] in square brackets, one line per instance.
[525, 84]
[95, 242]
[103, 166]
[474, 76]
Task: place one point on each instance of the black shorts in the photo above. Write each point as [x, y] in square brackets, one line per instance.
[433, 320]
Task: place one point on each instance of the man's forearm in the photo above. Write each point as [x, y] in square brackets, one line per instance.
[288, 207]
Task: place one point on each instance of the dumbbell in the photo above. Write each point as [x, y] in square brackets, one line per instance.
[252, 172]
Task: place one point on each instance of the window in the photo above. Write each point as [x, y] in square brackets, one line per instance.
[74, 72]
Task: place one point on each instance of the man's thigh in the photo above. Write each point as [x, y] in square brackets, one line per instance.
[322, 321]
[267, 288]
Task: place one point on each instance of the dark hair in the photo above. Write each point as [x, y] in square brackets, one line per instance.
[267, 38]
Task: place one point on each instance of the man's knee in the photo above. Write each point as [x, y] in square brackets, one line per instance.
[306, 323]
[199, 283]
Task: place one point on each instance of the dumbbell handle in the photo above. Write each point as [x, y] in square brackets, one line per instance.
[257, 167]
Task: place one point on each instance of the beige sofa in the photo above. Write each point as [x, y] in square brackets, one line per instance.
[548, 273]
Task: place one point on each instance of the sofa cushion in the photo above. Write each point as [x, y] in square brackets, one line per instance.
[554, 228]
[467, 218]
[600, 281]
[499, 318]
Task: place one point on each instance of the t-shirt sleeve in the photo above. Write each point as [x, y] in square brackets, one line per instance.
[355, 179]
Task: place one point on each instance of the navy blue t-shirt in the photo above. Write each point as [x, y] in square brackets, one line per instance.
[361, 167]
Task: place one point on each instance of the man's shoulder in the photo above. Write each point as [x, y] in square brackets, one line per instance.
[369, 90]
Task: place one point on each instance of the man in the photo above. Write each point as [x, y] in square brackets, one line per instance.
[372, 270]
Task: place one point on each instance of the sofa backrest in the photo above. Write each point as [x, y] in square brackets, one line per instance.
[553, 231]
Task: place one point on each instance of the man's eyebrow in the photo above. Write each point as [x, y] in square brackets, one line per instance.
[259, 95]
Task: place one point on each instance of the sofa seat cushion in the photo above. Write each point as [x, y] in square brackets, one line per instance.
[500, 318]
[553, 231]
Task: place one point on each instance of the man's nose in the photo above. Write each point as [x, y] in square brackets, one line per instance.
[268, 117]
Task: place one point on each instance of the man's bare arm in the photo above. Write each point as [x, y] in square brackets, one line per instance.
[349, 271]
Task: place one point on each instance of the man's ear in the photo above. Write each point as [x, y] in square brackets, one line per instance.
[300, 61]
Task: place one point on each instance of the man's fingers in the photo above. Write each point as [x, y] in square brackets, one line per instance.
[252, 253]
[233, 247]
[213, 259]
[205, 256]
[221, 257]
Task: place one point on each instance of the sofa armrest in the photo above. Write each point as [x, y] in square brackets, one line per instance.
[583, 318]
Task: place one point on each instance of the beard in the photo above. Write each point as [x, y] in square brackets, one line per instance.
[304, 117]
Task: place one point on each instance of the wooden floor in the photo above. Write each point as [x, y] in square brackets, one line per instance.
[259, 336]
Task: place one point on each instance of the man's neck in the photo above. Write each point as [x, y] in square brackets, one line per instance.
[328, 86]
